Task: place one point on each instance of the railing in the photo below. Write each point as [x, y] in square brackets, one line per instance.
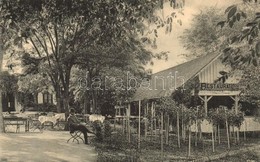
[250, 124]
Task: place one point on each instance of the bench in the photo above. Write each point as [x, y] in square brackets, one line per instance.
[17, 121]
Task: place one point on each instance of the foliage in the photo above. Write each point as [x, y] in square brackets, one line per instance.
[107, 130]
[242, 51]
[33, 83]
[235, 119]
[166, 104]
[45, 107]
[91, 34]
[188, 115]
[203, 37]
[117, 148]
[110, 86]
[135, 124]
[8, 82]
[117, 142]
[243, 48]
[219, 116]
[187, 94]
[97, 126]
[25, 99]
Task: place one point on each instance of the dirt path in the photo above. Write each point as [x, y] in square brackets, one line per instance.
[48, 146]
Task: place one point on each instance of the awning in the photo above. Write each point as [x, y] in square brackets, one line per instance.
[219, 93]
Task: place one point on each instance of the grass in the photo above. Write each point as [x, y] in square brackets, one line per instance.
[118, 149]
[248, 156]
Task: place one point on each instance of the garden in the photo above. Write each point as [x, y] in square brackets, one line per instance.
[170, 137]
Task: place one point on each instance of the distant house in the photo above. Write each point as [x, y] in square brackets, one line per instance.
[216, 86]
[10, 102]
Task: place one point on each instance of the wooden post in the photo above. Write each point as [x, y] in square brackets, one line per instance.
[152, 116]
[167, 129]
[196, 127]
[182, 124]
[115, 119]
[213, 140]
[128, 122]
[215, 131]
[139, 125]
[155, 127]
[206, 105]
[218, 135]
[236, 99]
[227, 132]
[233, 134]
[123, 124]
[145, 121]
[244, 128]
[189, 152]
[145, 128]
[178, 129]
[218, 130]
[236, 109]
[161, 132]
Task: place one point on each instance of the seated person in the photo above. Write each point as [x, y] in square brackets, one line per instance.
[76, 125]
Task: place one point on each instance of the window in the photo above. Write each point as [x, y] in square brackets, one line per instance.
[47, 98]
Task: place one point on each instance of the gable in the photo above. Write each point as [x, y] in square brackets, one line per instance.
[165, 82]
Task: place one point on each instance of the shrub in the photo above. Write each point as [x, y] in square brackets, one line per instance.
[142, 126]
[97, 125]
[107, 129]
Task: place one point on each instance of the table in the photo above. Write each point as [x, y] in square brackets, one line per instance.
[18, 121]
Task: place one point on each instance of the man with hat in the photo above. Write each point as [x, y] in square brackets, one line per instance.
[75, 125]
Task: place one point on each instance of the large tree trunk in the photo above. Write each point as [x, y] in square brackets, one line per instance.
[66, 98]
[58, 99]
[1, 63]
[1, 113]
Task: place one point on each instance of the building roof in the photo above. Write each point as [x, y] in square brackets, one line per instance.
[163, 83]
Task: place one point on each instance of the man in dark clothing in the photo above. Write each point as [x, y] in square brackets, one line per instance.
[75, 125]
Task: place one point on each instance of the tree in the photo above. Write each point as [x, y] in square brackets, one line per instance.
[62, 31]
[1, 64]
[6, 42]
[242, 51]
[203, 36]
[110, 87]
[8, 83]
[166, 106]
[209, 33]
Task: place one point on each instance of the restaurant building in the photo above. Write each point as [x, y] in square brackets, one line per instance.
[218, 86]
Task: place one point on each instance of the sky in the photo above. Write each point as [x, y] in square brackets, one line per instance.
[170, 42]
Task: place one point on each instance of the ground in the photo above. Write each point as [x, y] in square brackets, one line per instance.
[52, 146]
[48, 146]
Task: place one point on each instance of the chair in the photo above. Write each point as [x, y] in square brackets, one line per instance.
[34, 124]
[75, 135]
